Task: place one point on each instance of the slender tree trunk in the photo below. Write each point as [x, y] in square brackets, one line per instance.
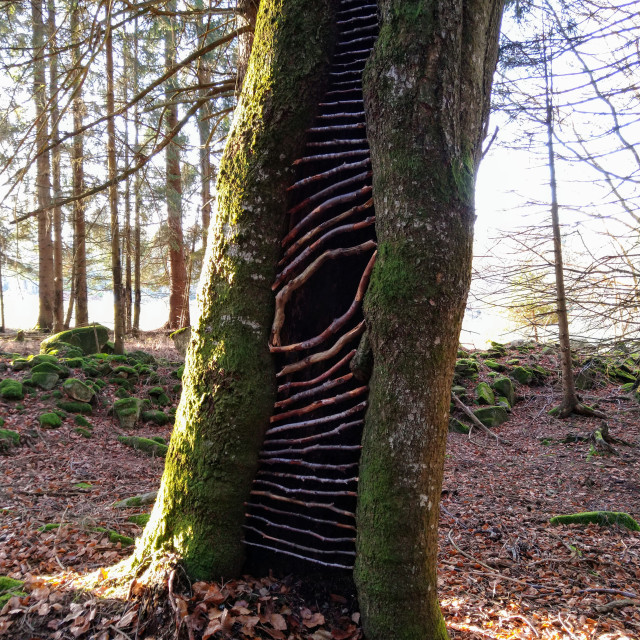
[570, 402]
[58, 300]
[229, 381]
[426, 91]
[178, 295]
[2, 327]
[137, 203]
[116, 264]
[72, 299]
[43, 168]
[77, 171]
[247, 14]
[127, 198]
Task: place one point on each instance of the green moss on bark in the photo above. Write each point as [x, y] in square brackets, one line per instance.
[229, 381]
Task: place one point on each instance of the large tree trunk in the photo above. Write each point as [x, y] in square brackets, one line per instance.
[427, 91]
[427, 102]
[77, 171]
[116, 262]
[43, 168]
[229, 380]
[179, 293]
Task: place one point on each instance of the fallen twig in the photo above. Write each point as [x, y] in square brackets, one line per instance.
[474, 420]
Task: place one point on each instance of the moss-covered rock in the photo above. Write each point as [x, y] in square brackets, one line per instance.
[523, 375]
[50, 421]
[45, 380]
[127, 410]
[181, 339]
[82, 422]
[89, 339]
[501, 401]
[137, 501]
[494, 366]
[466, 368]
[81, 431]
[484, 394]
[157, 417]
[75, 407]
[74, 363]
[491, 416]
[459, 391]
[457, 426]
[8, 439]
[603, 518]
[504, 387]
[148, 446]
[179, 372]
[11, 389]
[124, 371]
[19, 364]
[39, 358]
[142, 356]
[50, 367]
[121, 392]
[78, 390]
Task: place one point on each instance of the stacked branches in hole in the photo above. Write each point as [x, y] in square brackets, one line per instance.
[302, 504]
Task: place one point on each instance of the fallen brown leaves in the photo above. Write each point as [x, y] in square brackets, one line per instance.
[504, 573]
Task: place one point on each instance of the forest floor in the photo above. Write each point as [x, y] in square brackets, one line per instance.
[504, 571]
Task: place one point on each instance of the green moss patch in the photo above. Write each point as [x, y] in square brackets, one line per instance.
[75, 407]
[157, 417]
[78, 390]
[11, 390]
[50, 420]
[85, 433]
[81, 421]
[49, 527]
[88, 339]
[9, 587]
[146, 445]
[140, 519]
[10, 438]
[484, 394]
[491, 416]
[603, 518]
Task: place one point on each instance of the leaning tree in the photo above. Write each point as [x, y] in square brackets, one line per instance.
[297, 191]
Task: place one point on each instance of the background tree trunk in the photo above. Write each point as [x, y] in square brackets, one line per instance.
[43, 168]
[178, 294]
[77, 168]
[116, 263]
[58, 301]
[229, 382]
[427, 89]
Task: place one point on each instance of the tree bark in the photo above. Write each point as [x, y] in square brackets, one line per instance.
[229, 380]
[116, 263]
[137, 203]
[77, 171]
[426, 89]
[178, 294]
[43, 168]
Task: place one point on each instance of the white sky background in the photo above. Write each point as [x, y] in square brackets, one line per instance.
[510, 179]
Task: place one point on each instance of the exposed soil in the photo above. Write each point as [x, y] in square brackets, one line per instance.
[505, 572]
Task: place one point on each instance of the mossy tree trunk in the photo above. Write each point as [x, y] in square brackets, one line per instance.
[229, 382]
[427, 89]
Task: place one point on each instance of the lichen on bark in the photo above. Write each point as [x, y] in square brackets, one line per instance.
[229, 382]
[426, 94]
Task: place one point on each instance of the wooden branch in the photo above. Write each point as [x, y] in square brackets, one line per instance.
[287, 291]
[332, 188]
[302, 516]
[309, 393]
[318, 404]
[347, 413]
[356, 19]
[333, 565]
[337, 323]
[299, 547]
[305, 532]
[302, 503]
[330, 143]
[311, 465]
[317, 436]
[348, 228]
[348, 43]
[323, 208]
[299, 384]
[337, 127]
[313, 492]
[295, 476]
[343, 114]
[361, 29]
[322, 355]
[341, 103]
[314, 231]
[311, 449]
[354, 153]
[331, 172]
[476, 423]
